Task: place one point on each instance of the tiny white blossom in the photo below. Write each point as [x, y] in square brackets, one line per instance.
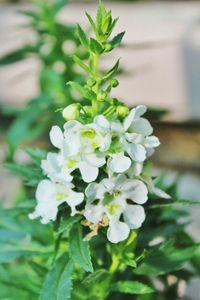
[50, 195]
[113, 194]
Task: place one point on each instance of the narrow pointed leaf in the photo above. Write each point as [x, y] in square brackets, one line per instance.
[95, 46]
[83, 38]
[117, 39]
[131, 287]
[79, 249]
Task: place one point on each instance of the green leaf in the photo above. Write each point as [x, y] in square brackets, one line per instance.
[36, 155]
[131, 287]
[9, 253]
[95, 46]
[108, 75]
[165, 258]
[58, 283]
[83, 38]
[84, 91]
[66, 225]
[92, 23]
[117, 39]
[79, 249]
[77, 60]
[31, 175]
[18, 55]
[10, 235]
[95, 276]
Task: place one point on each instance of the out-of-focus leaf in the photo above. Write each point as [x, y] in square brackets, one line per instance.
[36, 155]
[131, 287]
[58, 283]
[18, 55]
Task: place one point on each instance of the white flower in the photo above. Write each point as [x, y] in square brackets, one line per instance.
[81, 147]
[50, 195]
[113, 194]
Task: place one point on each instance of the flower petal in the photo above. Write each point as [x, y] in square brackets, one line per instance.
[95, 191]
[94, 213]
[89, 173]
[73, 200]
[95, 159]
[101, 121]
[151, 142]
[136, 151]
[119, 163]
[45, 191]
[134, 216]
[142, 126]
[56, 137]
[117, 231]
[135, 190]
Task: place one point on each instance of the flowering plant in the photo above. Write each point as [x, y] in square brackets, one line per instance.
[100, 210]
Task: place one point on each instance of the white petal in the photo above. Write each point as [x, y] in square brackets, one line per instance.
[101, 121]
[158, 192]
[119, 163]
[94, 213]
[73, 200]
[88, 172]
[95, 191]
[151, 142]
[72, 126]
[45, 191]
[142, 126]
[136, 151]
[135, 190]
[134, 216]
[134, 114]
[117, 127]
[56, 137]
[95, 159]
[117, 231]
[140, 110]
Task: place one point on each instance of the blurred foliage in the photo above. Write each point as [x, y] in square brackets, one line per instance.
[53, 46]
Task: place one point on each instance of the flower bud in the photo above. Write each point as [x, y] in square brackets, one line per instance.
[101, 96]
[114, 83]
[71, 112]
[108, 47]
[122, 111]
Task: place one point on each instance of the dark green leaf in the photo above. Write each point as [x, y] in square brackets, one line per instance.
[79, 249]
[117, 39]
[95, 46]
[66, 225]
[165, 258]
[111, 72]
[83, 38]
[131, 287]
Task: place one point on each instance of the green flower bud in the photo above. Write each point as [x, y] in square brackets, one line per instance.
[122, 111]
[108, 47]
[114, 83]
[71, 112]
[101, 96]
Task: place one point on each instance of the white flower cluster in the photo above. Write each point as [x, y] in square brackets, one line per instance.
[114, 151]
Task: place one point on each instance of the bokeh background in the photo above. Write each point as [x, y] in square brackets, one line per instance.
[160, 60]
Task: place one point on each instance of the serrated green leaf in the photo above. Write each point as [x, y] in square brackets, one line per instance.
[131, 287]
[115, 42]
[95, 276]
[84, 91]
[66, 225]
[81, 64]
[36, 155]
[31, 175]
[79, 249]
[58, 283]
[95, 46]
[83, 38]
